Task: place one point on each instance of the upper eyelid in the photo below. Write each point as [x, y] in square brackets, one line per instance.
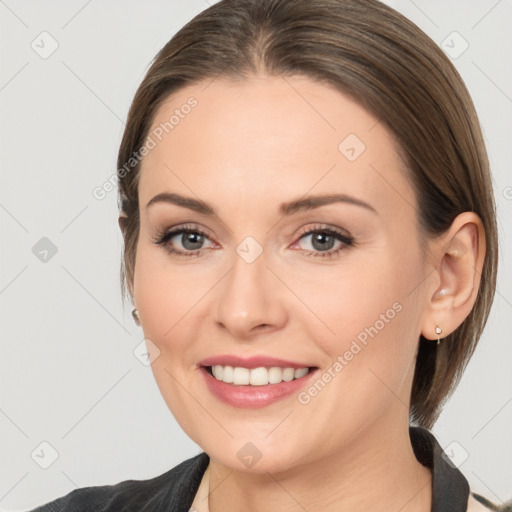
[318, 226]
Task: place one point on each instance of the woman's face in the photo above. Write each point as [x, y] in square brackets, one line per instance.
[336, 286]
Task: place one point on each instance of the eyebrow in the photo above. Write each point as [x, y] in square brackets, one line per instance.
[285, 209]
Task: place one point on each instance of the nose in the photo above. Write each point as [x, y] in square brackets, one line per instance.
[251, 300]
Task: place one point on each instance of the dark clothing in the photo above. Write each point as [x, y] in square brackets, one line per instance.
[174, 490]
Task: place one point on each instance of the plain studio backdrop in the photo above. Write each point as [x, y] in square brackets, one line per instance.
[78, 407]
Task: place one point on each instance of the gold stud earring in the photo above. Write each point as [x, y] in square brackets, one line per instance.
[438, 332]
[135, 315]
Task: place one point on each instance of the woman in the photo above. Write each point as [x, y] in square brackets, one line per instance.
[311, 250]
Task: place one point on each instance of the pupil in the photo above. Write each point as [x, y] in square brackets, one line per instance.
[322, 238]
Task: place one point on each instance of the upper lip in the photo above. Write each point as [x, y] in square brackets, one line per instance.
[251, 362]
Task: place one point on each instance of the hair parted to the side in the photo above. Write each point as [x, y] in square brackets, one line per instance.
[394, 70]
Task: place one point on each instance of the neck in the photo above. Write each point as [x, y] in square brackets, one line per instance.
[378, 471]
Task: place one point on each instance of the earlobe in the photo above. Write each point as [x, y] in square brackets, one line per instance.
[122, 220]
[460, 256]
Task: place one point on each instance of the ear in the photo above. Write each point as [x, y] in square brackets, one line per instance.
[458, 256]
[122, 220]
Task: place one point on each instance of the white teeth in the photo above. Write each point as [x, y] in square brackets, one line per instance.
[240, 376]
[300, 372]
[275, 375]
[288, 374]
[260, 376]
[228, 374]
[218, 371]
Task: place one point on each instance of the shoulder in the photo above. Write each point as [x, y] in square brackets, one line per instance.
[477, 503]
[177, 487]
[451, 489]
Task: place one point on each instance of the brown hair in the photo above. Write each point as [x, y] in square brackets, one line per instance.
[394, 70]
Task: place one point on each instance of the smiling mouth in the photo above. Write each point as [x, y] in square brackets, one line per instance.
[261, 376]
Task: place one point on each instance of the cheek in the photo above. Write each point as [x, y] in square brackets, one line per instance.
[174, 302]
[165, 300]
[370, 317]
[347, 298]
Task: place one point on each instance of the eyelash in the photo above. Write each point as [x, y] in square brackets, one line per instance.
[163, 238]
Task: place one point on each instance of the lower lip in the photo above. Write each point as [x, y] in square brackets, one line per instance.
[253, 397]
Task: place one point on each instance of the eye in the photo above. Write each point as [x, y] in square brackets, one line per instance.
[323, 240]
[190, 237]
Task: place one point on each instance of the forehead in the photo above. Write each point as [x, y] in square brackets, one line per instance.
[265, 137]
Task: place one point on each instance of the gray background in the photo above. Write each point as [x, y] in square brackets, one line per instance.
[69, 376]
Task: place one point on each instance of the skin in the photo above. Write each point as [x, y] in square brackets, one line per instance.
[245, 148]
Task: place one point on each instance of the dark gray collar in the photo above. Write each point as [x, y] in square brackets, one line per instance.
[174, 491]
[450, 489]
